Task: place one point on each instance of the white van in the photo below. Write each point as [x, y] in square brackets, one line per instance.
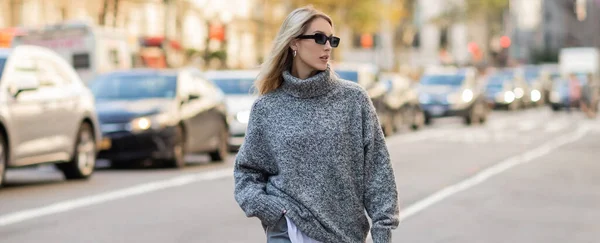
[90, 49]
[583, 60]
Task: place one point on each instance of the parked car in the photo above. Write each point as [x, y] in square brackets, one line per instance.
[499, 91]
[521, 88]
[401, 102]
[47, 114]
[448, 93]
[238, 86]
[160, 115]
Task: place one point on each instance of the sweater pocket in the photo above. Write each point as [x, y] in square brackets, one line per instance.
[280, 226]
[269, 210]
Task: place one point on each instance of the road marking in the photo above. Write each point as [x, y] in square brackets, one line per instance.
[492, 171]
[144, 188]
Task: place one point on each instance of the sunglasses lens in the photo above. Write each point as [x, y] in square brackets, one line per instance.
[320, 38]
[335, 41]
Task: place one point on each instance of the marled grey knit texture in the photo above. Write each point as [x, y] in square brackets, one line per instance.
[314, 149]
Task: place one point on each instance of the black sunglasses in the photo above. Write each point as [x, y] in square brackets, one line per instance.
[321, 39]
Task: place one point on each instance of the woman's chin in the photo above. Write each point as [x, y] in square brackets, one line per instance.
[320, 66]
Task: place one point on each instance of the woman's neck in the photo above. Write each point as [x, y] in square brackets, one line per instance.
[301, 71]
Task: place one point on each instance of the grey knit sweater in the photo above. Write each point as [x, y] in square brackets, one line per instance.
[315, 152]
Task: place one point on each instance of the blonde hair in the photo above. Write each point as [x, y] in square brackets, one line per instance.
[280, 58]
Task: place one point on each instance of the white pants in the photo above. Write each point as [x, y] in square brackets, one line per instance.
[296, 236]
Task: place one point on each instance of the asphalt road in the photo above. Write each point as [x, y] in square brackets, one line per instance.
[527, 176]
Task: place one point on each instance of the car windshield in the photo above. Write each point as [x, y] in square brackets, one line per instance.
[531, 75]
[134, 86]
[497, 81]
[450, 80]
[235, 85]
[2, 61]
[507, 73]
[348, 75]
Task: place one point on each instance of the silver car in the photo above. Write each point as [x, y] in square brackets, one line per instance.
[47, 114]
[239, 97]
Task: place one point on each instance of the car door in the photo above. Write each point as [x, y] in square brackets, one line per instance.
[61, 106]
[208, 125]
[29, 124]
[192, 112]
[213, 101]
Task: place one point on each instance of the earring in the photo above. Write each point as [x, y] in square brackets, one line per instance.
[294, 53]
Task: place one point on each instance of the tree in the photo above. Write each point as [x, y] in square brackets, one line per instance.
[361, 16]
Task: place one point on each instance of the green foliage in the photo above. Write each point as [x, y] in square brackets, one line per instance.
[473, 9]
[363, 15]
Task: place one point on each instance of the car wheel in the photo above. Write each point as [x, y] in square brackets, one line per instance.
[428, 119]
[387, 125]
[484, 114]
[83, 162]
[220, 155]
[419, 119]
[398, 120]
[555, 107]
[3, 160]
[475, 114]
[178, 159]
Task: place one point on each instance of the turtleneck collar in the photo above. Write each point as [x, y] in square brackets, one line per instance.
[316, 85]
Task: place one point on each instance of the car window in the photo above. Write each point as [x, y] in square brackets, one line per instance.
[50, 74]
[497, 81]
[450, 80]
[2, 62]
[134, 86]
[23, 68]
[348, 75]
[235, 85]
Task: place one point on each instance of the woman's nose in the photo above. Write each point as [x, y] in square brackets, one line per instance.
[327, 46]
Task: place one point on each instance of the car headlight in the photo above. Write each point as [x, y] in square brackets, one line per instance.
[243, 116]
[467, 95]
[151, 122]
[519, 92]
[140, 124]
[509, 96]
[536, 95]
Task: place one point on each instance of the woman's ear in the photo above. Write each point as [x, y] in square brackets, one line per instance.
[294, 45]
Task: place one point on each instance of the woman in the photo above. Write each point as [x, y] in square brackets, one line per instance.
[314, 157]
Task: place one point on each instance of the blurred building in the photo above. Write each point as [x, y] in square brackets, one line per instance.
[197, 29]
[540, 28]
[440, 43]
[525, 21]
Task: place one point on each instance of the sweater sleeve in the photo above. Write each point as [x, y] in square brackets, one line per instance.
[253, 165]
[381, 196]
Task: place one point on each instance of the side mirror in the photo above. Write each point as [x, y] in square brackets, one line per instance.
[24, 84]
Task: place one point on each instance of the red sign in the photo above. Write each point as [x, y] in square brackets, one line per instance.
[505, 42]
[216, 32]
[366, 41]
